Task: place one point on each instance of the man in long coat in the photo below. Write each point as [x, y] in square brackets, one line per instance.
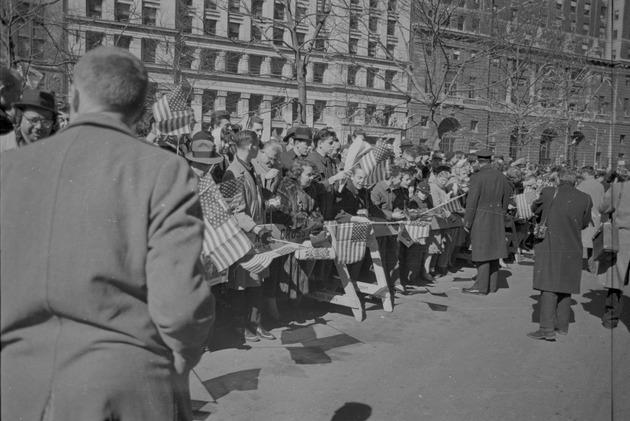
[596, 190]
[104, 308]
[614, 272]
[486, 205]
[558, 263]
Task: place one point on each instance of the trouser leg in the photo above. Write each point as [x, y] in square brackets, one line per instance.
[548, 305]
[494, 275]
[563, 312]
[483, 277]
[254, 304]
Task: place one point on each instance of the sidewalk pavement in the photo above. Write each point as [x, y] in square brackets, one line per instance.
[441, 355]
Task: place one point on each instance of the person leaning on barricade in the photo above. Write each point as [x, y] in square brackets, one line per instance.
[382, 196]
[104, 307]
[249, 211]
[299, 138]
[298, 211]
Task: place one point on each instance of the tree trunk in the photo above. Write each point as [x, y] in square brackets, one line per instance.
[300, 69]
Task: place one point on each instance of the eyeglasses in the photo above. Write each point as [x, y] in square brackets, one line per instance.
[47, 124]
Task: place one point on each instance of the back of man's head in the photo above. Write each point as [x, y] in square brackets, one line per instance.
[10, 87]
[112, 78]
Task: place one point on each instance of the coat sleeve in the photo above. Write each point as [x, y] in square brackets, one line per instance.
[179, 300]
[606, 206]
[239, 207]
[472, 201]
[378, 201]
[587, 217]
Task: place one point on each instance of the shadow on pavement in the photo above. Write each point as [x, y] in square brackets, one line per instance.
[352, 411]
[239, 380]
[597, 304]
[313, 349]
[502, 282]
[536, 309]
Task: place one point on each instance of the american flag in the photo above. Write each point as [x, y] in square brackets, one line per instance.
[375, 163]
[172, 115]
[223, 241]
[454, 205]
[231, 190]
[351, 239]
[261, 261]
[524, 204]
[417, 231]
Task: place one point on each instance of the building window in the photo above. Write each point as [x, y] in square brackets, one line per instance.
[257, 8]
[278, 11]
[391, 27]
[473, 125]
[456, 55]
[277, 107]
[352, 75]
[617, 14]
[149, 15]
[371, 49]
[391, 5]
[613, 54]
[586, 28]
[256, 33]
[352, 110]
[587, 9]
[234, 30]
[277, 63]
[474, 25]
[300, 38]
[208, 98]
[255, 103]
[278, 36]
[94, 8]
[234, 6]
[255, 64]
[185, 24]
[389, 79]
[460, 23]
[354, 22]
[147, 50]
[373, 4]
[373, 23]
[622, 138]
[210, 4]
[318, 72]
[424, 121]
[615, 34]
[370, 113]
[207, 59]
[122, 11]
[353, 45]
[231, 103]
[558, 4]
[122, 41]
[210, 27]
[300, 13]
[318, 110]
[187, 57]
[371, 75]
[573, 6]
[390, 49]
[93, 40]
[231, 62]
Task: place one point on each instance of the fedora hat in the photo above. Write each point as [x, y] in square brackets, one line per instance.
[203, 151]
[299, 133]
[37, 99]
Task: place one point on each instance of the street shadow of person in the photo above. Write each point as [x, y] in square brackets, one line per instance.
[502, 277]
[242, 380]
[597, 305]
[536, 309]
[313, 349]
[352, 411]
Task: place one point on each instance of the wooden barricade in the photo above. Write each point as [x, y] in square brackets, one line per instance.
[349, 297]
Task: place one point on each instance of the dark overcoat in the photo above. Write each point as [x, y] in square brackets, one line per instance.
[558, 262]
[486, 206]
[100, 287]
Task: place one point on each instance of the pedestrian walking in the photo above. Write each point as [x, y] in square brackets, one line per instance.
[565, 211]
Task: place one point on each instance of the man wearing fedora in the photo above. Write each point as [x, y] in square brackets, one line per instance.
[203, 157]
[300, 137]
[39, 113]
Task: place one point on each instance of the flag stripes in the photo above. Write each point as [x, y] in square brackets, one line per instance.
[351, 241]
[524, 204]
[224, 242]
[172, 114]
[261, 261]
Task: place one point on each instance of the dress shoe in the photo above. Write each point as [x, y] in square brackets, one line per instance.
[427, 277]
[250, 336]
[264, 334]
[562, 332]
[473, 291]
[539, 334]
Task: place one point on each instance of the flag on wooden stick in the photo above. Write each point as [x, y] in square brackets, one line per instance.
[261, 261]
[375, 163]
[454, 205]
[416, 231]
[351, 241]
[224, 242]
[172, 114]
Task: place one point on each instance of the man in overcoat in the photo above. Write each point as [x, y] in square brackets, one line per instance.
[558, 264]
[595, 189]
[104, 307]
[249, 211]
[487, 202]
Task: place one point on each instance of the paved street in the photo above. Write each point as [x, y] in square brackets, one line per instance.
[439, 356]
